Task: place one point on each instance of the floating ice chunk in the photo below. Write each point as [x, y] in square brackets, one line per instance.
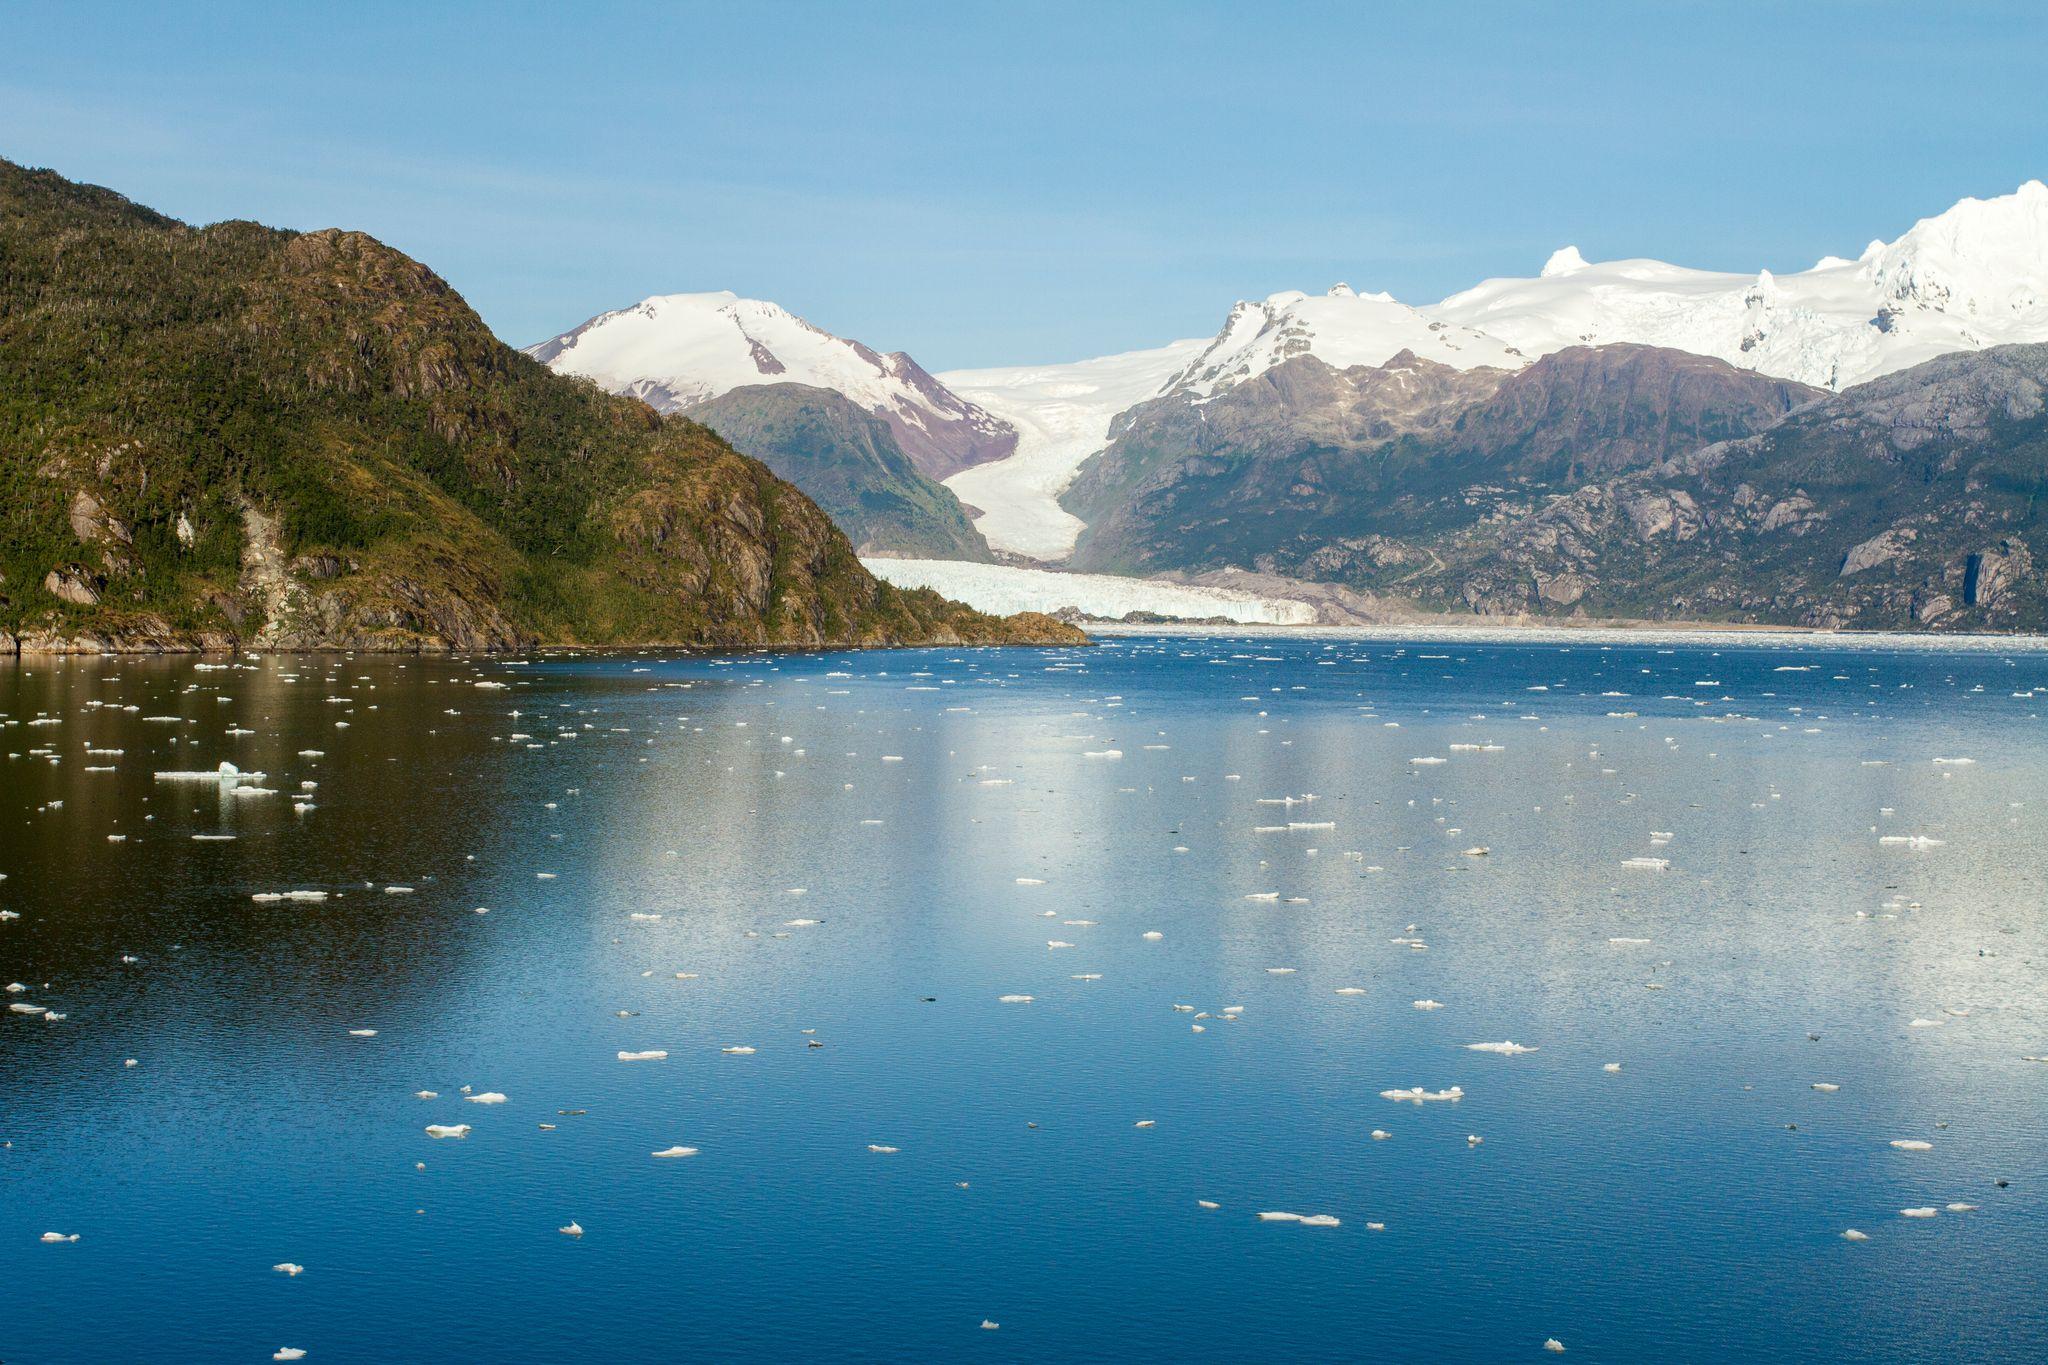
[1351, 990]
[60, 1237]
[668, 1153]
[1647, 864]
[1057, 943]
[1152, 936]
[292, 1268]
[1428, 762]
[801, 923]
[643, 915]
[362, 1033]
[990, 1325]
[1912, 1145]
[1263, 896]
[882, 1150]
[1429, 1004]
[654, 1055]
[1207, 1204]
[1961, 1208]
[1013, 999]
[447, 1130]
[1277, 1217]
[1280, 971]
[1853, 1235]
[1926, 1211]
[1927, 1023]
[574, 1229]
[1319, 1220]
[1911, 840]
[1145, 1123]
[1031, 881]
[289, 1353]
[1553, 1345]
[740, 1051]
[1416, 1094]
[1380, 1135]
[1505, 1049]
[1826, 1087]
[488, 1097]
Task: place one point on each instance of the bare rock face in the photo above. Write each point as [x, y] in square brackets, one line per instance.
[1990, 574]
[1879, 549]
[1560, 589]
[72, 583]
[1929, 606]
[91, 523]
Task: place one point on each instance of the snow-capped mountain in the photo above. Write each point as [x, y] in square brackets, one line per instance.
[1061, 414]
[1008, 441]
[1972, 277]
[676, 350]
[1341, 328]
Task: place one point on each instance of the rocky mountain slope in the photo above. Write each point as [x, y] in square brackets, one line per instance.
[848, 462]
[676, 350]
[234, 435]
[1303, 454]
[1912, 501]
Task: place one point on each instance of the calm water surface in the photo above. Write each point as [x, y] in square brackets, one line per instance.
[947, 815]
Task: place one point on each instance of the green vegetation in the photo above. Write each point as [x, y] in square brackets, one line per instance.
[235, 434]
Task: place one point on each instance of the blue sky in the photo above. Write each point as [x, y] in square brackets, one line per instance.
[1027, 182]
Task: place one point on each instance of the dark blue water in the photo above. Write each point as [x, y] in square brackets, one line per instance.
[1688, 1207]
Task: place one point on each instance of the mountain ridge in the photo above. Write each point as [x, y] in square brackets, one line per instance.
[674, 351]
[235, 436]
[848, 462]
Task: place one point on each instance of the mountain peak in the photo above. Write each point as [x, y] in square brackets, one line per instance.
[1565, 260]
[677, 350]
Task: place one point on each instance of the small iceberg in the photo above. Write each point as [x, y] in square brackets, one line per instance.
[1417, 1095]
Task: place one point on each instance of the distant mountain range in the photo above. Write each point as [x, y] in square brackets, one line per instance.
[233, 436]
[1351, 438]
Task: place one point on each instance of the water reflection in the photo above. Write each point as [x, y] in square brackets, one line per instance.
[639, 830]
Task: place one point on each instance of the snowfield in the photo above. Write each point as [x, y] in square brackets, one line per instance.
[1972, 277]
[1062, 415]
[1000, 589]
